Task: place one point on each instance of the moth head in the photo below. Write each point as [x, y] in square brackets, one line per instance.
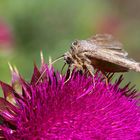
[68, 58]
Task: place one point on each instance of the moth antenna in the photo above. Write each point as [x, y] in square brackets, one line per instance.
[50, 63]
[41, 76]
[59, 58]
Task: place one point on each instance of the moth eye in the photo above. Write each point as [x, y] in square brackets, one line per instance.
[75, 43]
[68, 60]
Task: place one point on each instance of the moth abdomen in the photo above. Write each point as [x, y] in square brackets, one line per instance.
[108, 66]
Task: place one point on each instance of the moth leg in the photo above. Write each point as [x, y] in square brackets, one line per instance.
[87, 64]
[69, 68]
[106, 78]
[91, 71]
[63, 67]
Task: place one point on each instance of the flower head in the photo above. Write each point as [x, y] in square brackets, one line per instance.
[77, 110]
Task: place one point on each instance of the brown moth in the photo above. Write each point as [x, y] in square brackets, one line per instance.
[102, 52]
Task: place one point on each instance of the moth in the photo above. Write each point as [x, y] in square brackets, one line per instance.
[102, 52]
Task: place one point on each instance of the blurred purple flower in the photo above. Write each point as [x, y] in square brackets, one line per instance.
[110, 24]
[76, 110]
[6, 36]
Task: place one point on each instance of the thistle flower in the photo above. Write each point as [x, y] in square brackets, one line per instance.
[51, 109]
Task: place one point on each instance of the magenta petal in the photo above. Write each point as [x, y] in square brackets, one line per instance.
[36, 75]
[7, 90]
[8, 111]
[26, 89]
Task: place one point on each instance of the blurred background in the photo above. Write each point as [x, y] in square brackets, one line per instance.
[28, 26]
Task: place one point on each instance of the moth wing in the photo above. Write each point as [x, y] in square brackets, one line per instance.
[109, 43]
[120, 60]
